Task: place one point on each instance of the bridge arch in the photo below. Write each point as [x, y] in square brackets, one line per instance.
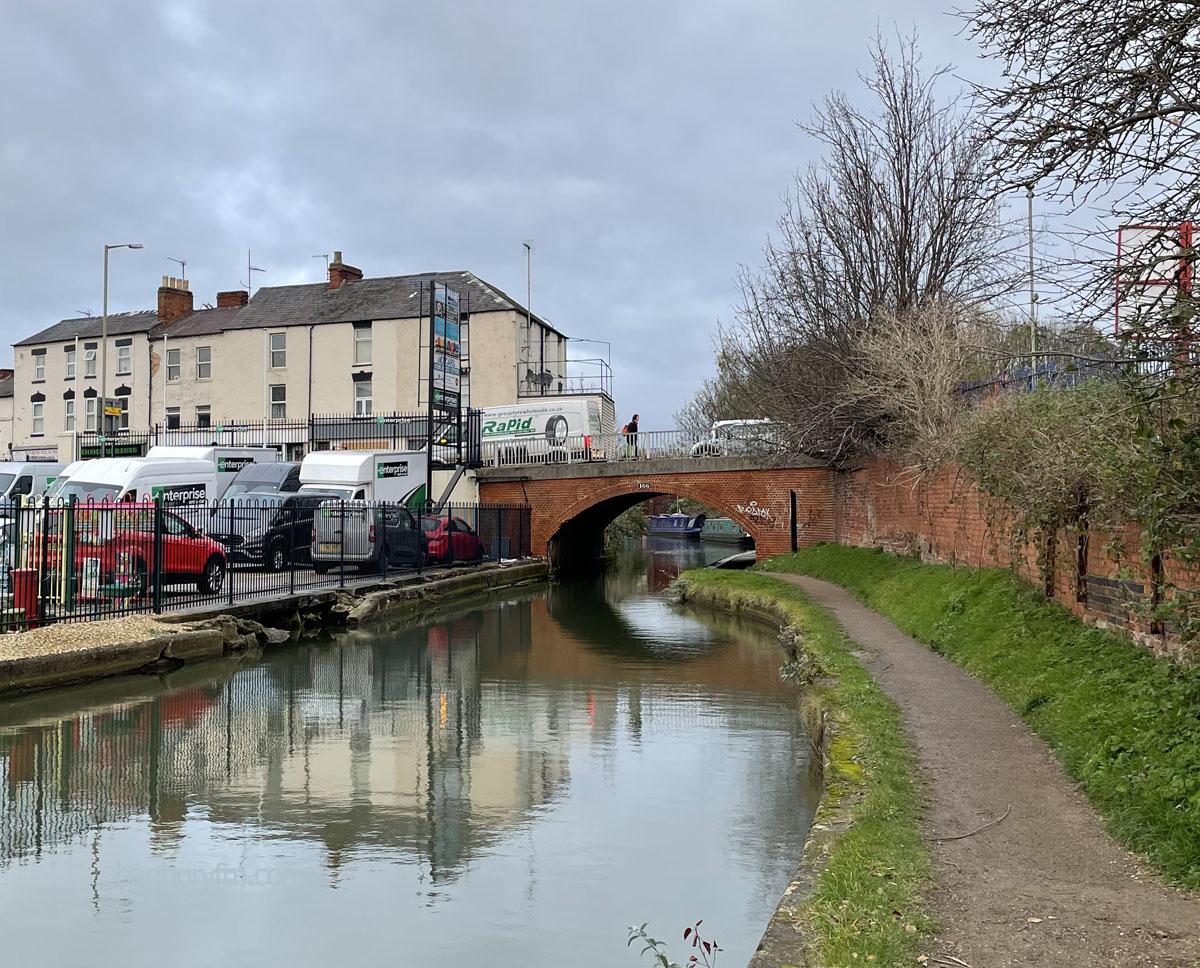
[571, 505]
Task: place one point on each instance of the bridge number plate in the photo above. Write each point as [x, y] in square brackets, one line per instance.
[643, 486]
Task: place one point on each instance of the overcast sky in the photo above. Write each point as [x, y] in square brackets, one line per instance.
[643, 146]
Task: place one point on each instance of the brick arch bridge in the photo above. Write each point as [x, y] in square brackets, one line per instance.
[572, 504]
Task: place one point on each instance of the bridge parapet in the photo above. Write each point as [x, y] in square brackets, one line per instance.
[553, 447]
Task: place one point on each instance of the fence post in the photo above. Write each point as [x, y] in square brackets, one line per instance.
[43, 571]
[342, 544]
[292, 549]
[159, 526]
[228, 563]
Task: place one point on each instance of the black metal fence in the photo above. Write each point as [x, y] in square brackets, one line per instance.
[456, 437]
[82, 561]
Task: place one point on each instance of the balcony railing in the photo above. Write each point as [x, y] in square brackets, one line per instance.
[572, 378]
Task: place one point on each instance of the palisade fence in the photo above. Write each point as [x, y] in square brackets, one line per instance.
[76, 561]
[456, 437]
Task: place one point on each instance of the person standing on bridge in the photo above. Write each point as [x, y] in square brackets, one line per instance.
[630, 430]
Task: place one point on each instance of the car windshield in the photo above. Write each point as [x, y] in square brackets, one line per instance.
[252, 501]
[250, 487]
[84, 491]
[6, 481]
[431, 524]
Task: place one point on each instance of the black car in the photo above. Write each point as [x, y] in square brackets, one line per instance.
[263, 528]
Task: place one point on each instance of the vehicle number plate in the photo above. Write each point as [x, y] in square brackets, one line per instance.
[329, 547]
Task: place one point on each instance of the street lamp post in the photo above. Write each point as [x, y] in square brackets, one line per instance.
[104, 339]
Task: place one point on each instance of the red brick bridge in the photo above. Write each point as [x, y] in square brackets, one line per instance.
[781, 507]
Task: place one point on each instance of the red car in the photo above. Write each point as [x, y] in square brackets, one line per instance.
[450, 539]
[114, 545]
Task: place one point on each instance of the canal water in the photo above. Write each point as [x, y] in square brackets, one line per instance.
[509, 785]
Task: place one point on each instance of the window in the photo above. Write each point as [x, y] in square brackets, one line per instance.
[39, 366]
[173, 366]
[362, 344]
[118, 422]
[69, 421]
[172, 418]
[204, 416]
[39, 420]
[91, 407]
[278, 402]
[278, 351]
[124, 359]
[203, 362]
[71, 363]
[89, 359]
[362, 398]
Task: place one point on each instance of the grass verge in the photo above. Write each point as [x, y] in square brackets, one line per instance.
[1125, 724]
[866, 906]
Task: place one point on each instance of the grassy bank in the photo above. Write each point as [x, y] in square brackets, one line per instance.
[866, 906]
[1125, 724]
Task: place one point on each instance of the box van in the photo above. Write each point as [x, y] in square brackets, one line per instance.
[22, 479]
[367, 475]
[228, 460]
[282, 477]
[369, 526]
[272, 529]
[187, 487]
[547, 430]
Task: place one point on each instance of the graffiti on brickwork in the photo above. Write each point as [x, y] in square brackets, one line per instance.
[754, 511]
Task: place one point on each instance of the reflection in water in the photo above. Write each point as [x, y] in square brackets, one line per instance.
[508, 786]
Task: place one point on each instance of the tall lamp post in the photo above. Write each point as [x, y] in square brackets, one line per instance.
[104, 339]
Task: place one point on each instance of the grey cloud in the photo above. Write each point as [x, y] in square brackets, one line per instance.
[643, 146]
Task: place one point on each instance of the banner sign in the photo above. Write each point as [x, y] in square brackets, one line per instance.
[446, 390]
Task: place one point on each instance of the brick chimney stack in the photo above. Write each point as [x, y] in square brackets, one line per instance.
[340, 273]
[233, 299]
[174, 299]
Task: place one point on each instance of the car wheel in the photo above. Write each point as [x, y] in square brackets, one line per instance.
[213, 576]
[321, 567]
[556, 430]
[276, 558]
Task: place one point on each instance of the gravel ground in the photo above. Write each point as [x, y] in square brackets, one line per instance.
[1044, 886]
[77, 636]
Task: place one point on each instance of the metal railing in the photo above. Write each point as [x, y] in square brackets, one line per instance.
[642, 446]
[556, 378]
[73, 561]
[456, 437]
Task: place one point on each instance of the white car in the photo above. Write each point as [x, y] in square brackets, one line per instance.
[731, 437]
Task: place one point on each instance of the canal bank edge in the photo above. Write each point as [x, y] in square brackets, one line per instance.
[72, 653]
[858, 896]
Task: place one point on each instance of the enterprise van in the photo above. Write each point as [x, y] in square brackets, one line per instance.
[187, 487]
[229, 461]
[548, 430]
[22, 479]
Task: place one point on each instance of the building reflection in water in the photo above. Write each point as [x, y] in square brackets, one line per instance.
[484, 742]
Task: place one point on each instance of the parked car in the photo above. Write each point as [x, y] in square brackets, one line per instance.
[739, 437]
[115, 545]
[450, 539]
[265, 528]
[368, 536]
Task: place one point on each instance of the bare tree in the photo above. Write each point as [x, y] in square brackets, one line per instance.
[1100, 104]
[897, 213]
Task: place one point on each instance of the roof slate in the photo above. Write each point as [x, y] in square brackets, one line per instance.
[119, 324]
[386, 297]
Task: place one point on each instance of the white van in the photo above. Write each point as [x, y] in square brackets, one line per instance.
[184, 485]
[545, 430]
[366, 475]
[360, 528]
[61, 480]
[228, 460]
[26, 478]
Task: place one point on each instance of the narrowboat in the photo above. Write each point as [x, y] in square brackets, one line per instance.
[723, 529]
[676, 525]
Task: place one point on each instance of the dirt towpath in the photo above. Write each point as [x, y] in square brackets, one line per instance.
[1045, 886]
